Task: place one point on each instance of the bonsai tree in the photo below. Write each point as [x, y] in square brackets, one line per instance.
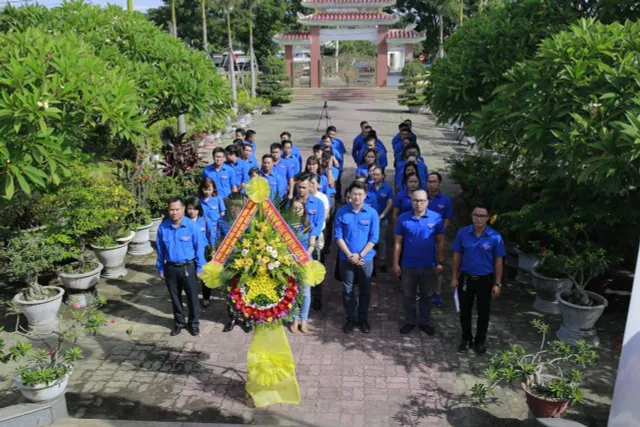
[273, 82]
[554, 371]
[28, 254]
[413, 80]
[56, 360]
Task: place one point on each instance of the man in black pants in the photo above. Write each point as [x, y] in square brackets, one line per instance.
[180, 259]
[478, 251]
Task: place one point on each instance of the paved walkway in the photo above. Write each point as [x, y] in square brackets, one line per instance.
[380, 379]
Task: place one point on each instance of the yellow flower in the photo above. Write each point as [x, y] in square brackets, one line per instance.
[270, 319]
[238, 263]
[246, 243]
[493, 219]
[314, 272]
[211, 274]
[262, 284]
[248, 262]
[262, 269]
[258, 189]
[266, 259]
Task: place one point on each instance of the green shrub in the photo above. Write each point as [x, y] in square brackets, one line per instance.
[412, 83]
[273, 82]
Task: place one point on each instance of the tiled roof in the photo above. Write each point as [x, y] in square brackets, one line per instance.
[338, 3]
[349, 17]
[293, 36]
[404, 35]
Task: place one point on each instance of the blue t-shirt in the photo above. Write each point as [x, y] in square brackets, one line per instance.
[225, 178]
[357, 229]
[402, 201]
[419, 238]
[442, 205]
[180, 244]
[478, 253]
[383, 195]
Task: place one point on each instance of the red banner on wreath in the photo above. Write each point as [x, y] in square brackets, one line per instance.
[236, 231]
[281, 226]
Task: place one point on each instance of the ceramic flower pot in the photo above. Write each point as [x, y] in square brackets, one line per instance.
[545, 407]
[42, 315]
[153, 231]
[112, 259]
[43, 392]
[415, 109]
[578, 322]
[81, 281]
[546, 290]
[139, 245]
[275, 109]
[526, 262]
[127, 238]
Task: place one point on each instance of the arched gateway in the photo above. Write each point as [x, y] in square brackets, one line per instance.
[338, 20]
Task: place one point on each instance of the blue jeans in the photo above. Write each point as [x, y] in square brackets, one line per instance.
[413, 279]
[350, 274]
[305, 290]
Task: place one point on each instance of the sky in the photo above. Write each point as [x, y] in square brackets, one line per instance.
[140, 5]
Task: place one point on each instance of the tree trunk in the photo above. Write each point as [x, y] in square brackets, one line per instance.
[130, 6]
[205, 43]
[461, 11]
[254, 76]
[182, 122]
[441, 42]
[232, 70]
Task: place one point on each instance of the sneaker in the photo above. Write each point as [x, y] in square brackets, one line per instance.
[383, 268]
[348, 326]
[406, 328]
[437, 300]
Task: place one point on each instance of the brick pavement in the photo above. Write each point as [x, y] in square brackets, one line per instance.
[379, 379]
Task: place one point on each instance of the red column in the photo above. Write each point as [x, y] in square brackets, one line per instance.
[382, 56]
[408, 52]
[288, 61]
[315, 57]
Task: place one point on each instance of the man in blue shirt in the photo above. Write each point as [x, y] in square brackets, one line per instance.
[288, 157]
[357, 229]
[276, 181]
[250, 139]
[239, 166]
[222, 174]
[478, 253]
[180, 246]
[372, 141]
[282, 168]
[247, 154]
[295, 151]
[398, 142]
[441, 204]
[338, 146]
[359, 140]
[419, 242]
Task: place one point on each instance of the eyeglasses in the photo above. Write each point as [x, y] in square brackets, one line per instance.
[480, 216]
[418, 201]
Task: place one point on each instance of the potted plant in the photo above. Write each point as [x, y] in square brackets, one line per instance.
[412, 84]
[161, 188]
[25, 256]
[578, 259]
[550, 377]
[273, 84]
[547, 282]
[48, 370]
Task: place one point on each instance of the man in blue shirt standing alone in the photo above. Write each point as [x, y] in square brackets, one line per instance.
[478, 251]
[357, 229]
[180, 246]
[419, 237]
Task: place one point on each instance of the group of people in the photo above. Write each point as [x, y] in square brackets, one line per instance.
[357, 220]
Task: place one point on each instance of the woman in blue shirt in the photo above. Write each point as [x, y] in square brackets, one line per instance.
[313, 167]
[212, 204]
[207, 229]
[402, 201]
[302, 229]
[369, 159]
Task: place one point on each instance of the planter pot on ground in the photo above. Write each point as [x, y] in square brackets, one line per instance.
[112, 259]
[578, 322]
[127, 238]
[81, 299]
[545, 407]
[546, 290]
[275, 109]
[81, 281]
[153, 231]
[209, 141]
[43, 393]
[41, 315]
[526, 262]
[139, 245]
[512, 255]
[415, 109]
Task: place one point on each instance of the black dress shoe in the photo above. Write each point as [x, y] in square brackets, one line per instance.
[407, 328]
[348, 326]
[246, 326]
[427, 330]
[229, 326]
[364, 326]
[464, 346]
[176, 330]
[480, 348]
[195, 331]
[383, 268]
[316, 304]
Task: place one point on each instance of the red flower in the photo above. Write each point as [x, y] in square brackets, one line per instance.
[51, 351]
[112, 321]
[543, 249]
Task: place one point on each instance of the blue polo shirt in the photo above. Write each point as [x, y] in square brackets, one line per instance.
[324, 185]
[442, 205]
[478, 253]
[362, 170]
[213, 208]
[402, 201]
[224, 225]
[241, 169]
[284, 169]
[315, 212]
[277, 183]
[383, 195]
[331, 191]
[292, 163]
[225, 178]
[358, 143]
[207, 229]
[419, 238]
[180, 244]
[381, 155]
[303, 237]
[423, 173]
[396, 144]
[253, 152]
[371, 200]
[295, 152]
[357, 229]
[339, 145]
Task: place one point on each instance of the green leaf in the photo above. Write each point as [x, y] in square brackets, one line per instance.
[9, 186]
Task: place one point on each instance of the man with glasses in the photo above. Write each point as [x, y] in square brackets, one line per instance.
[357, 228]
[441, 204]
[419, 242]
[478, 252]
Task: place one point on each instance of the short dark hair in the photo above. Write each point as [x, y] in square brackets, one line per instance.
[252, 171]
[231, 149]
[241, 131]
[275, 145]
[218, 150]
[286, 141]
[287, 134]
[327, 154]
[195, 202]
[318, 147]
[408, 121]
[268, 156]
[302, 176]
[355, 185]
[314, 177]
[238, 141]
[372, 133]
[402, 126]
[380, 168]
[250, 133]
[436, 174]
[479, 205]
[332, 128]
[364, 122]
[371, 137]
[175, 199]
[206, 183]
[325, 136]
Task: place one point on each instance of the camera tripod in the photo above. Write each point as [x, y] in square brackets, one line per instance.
[324, 115]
